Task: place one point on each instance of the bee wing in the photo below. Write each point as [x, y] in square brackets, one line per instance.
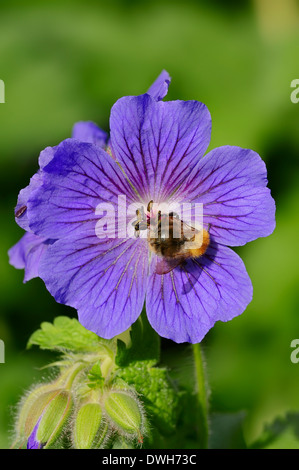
[188, 232]
[165, 265]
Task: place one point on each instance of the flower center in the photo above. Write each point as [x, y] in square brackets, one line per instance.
[169, 237]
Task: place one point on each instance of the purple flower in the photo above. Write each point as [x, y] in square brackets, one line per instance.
[159, 148]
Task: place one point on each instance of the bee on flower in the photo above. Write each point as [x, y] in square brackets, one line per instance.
[155, 154]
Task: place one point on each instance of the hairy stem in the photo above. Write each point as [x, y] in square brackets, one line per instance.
[202, 399]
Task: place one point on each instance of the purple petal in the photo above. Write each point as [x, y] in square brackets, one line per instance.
[105, 280]
[46, 156]
[231, 183]
[159, 89]
[79, 177]
[26, 254]
[21, 209]
[32, 442]
[88, 131]
[184, 304]
[158, 143]
[85, 131]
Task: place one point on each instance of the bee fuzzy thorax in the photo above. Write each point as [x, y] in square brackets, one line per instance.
[176, 242]
[200, 244]
[170, 238]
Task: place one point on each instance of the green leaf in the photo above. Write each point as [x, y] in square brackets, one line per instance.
[145, 344]
[65, 333]
[283, 433]
[157, 393]
[95, 376]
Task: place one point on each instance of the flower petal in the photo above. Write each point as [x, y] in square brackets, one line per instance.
[159, 89]
[79, 177]
[46, 156]
[105, 280]
[88, 131]
[231, 183]
[26, 254]
[185, 303]
[33, 442]
[158, 143]
[21, 212]
[85, 131]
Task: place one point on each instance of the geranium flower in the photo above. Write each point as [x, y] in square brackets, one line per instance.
[157, 150]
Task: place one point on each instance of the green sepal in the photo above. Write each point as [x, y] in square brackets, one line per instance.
[124, 411]
[159, 395]
[54, 418]
[89, 431]
[32, 407]
[121, 443]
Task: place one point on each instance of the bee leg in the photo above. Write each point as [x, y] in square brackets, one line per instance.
[139, 219]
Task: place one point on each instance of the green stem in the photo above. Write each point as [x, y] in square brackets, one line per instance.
[202, 400]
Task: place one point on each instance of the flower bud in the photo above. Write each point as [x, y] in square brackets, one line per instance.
[54, 417]
[32, 407]
[89, 430]
[124, 410]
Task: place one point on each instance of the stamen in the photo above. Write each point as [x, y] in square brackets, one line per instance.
[150, 206]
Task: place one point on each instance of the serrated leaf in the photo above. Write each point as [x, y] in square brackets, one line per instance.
[282, 433]
[65, 333]
[157, 393]
[145, 344]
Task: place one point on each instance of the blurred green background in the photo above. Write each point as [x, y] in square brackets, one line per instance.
[64, 61]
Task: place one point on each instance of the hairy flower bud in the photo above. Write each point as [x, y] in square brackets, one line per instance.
[125, 412]
[54, 417]
[89, 429]
[32, 407]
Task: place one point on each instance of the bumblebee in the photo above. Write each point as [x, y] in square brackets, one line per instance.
[173, 241]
